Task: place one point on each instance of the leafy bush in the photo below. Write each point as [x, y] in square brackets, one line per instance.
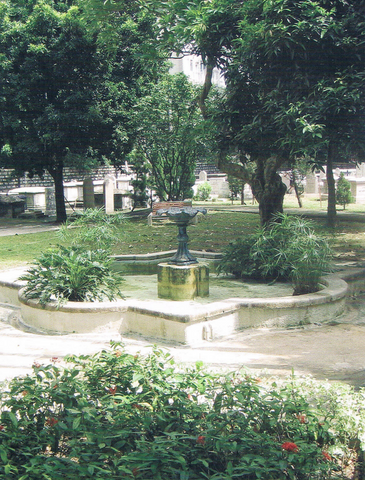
[287, 249]
[72, 273]
[343, 191]
[91, 227]
[114, 415]
[203, 191]
[78, 272]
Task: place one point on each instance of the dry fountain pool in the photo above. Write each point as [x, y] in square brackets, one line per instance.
[231, 306]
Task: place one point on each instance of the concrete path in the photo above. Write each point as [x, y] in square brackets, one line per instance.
[334, 352]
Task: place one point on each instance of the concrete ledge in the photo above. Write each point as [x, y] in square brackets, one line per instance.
[147, 264]
[73, 317]
[186, 321]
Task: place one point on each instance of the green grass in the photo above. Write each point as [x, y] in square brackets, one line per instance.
[16, 250]
[211, 235]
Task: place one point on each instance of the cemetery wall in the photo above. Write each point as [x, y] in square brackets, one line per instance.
[9, 181]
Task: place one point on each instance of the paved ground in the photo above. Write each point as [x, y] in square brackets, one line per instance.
[334, 352]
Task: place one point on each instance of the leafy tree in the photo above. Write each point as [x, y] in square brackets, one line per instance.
[169, 137]
[299, 171]
[64, 99]
[236, 188]
[295, 84]
[140, 182]
[343, 191]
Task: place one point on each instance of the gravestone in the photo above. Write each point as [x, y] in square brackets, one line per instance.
[50, 201]
[203, 177]
[88, 193]
[109, 187]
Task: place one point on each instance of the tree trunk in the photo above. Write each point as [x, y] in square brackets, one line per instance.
[57, 175]
[243, 194]
[295, 185]
[269, 190]
[270, 198]
[331, 206]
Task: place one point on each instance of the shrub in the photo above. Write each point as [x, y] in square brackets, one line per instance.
[287, 249]
[78, 272]
[72, 273]
[343, 191]
[203, 192]
[114, 415]
[91, 227]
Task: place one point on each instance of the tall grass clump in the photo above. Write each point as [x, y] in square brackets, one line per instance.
[287, 249]
[81, 270]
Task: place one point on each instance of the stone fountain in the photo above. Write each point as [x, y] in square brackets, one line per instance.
[183, 277]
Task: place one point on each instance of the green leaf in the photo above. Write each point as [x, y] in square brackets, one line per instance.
[3, 455]
[76, 423]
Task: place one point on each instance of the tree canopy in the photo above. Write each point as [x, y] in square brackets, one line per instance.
[295, 82]
[170, 135]
[64, 99]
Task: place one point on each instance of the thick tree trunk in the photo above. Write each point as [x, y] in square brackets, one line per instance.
[331, 206]
[57, 175]
[270, 196]
[268, 189]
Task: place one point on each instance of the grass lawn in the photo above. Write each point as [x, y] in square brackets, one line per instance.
[211, 235]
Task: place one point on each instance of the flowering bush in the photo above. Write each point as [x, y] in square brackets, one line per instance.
[118, 416]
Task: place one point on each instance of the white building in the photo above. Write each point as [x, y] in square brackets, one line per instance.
[194, 69]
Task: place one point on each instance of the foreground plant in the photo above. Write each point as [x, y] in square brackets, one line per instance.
[287, 249]
[114, 415]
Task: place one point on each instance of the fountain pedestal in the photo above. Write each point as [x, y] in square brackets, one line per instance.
[182, 278]
[183, 282]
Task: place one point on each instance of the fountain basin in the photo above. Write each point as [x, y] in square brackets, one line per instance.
[188, 322]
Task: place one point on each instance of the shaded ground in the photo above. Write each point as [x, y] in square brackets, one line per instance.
[333, 352]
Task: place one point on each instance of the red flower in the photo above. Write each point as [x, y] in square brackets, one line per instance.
[36, 365]
[51, 422]
[139, 407]
[290, 447]
[112, 390]
[1, 428]
[301, 418]
[326, 456]
[200, 440]
[54, 359]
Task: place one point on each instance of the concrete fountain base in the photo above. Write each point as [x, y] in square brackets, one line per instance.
[189, 322]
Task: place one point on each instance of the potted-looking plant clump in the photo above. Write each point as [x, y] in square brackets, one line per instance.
[288, 249]
[77, 271]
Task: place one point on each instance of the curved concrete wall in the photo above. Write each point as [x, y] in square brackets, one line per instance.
[187, 322]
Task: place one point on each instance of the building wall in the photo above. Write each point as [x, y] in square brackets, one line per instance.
[8, 181]
[193, 67]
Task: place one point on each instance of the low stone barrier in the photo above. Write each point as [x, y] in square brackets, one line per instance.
[178, 321]
[187, 322]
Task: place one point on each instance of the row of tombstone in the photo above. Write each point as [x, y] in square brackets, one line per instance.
[109, 187]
